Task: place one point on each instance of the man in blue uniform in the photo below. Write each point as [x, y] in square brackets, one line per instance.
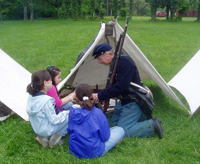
[127, 114]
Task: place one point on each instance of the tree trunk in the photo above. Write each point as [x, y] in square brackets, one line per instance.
[153, 13]
[173, 14]
[180, 16]
[173, 10]
[181, 12]
[167, 11]
[132, 9]
[25, 13]
[31, 11]
[138, 11]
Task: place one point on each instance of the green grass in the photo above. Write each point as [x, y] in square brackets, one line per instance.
[168, 46]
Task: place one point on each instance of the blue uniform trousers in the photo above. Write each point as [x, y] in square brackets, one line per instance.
[132, 120]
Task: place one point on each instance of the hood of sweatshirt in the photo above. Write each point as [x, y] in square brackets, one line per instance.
[35, 103]
[79, 114]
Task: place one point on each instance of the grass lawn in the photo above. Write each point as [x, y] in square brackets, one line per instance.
[168, 46]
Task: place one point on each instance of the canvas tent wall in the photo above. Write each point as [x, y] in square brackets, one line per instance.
[89, 71]
[14, 79]
[186, 81]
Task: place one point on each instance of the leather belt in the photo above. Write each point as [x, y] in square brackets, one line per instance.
[126, 99]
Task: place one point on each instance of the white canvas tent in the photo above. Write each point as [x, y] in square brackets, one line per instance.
[14, 79]
[89, 71]
[187, 82]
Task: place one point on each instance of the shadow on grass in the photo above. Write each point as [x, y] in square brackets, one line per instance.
[164, 106]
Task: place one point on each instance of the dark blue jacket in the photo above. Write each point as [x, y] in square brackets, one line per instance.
[126, 72]
[88, 132]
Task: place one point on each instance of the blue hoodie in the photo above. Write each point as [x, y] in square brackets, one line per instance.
[43, 117]
[88, 130]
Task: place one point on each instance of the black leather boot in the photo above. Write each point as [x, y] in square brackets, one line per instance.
[158, 127]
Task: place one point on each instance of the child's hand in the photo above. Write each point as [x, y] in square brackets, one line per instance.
[73, 95]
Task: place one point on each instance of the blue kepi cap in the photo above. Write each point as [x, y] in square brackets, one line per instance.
[101, 49]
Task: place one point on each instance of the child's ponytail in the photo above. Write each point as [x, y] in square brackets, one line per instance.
[83, 93]
[87, 104]
[30, 89]
[37, 81]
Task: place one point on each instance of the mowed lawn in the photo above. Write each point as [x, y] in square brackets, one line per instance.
[168, 46]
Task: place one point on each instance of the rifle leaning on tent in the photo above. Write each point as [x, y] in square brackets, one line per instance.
[113, 68]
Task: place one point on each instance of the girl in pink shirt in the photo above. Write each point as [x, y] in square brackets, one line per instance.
[65, 102]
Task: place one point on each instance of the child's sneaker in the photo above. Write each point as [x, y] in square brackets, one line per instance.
[54, 140]
[42, 140]
[61, 142]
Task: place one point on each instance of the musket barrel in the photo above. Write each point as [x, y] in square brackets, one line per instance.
[113, 68]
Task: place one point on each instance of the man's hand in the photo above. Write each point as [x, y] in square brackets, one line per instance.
[95, 96]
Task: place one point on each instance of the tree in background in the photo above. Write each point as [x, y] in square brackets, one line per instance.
[85, 8]
[92, 8]
[102, 10]
[111, 6]
[182, 6]
[107, 7]
[195, 6]
[55, 3]
[140, 6]
[131, 7]
[154, 4]
[122, 4]
[1, 9]
[168, 8]
[123, 12]
[31, 10]
[115, 8]
[79, 4]
[25, 10]
[75, 9]
[68, 8]
[173, 4]
[62, 11]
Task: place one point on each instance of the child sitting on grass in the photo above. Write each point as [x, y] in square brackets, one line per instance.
[89, 133]
[65, 102]
[48, 126]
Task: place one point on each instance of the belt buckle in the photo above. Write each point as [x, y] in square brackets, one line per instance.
[120, 97]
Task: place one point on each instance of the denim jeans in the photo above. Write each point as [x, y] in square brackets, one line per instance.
[132, 120]
[67, 106]
[62, 127]
[116, 135]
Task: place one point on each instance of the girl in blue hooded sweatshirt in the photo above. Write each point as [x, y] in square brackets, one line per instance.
[48, 126]
[88, 128]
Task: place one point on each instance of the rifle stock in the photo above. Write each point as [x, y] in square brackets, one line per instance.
[113, 68]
